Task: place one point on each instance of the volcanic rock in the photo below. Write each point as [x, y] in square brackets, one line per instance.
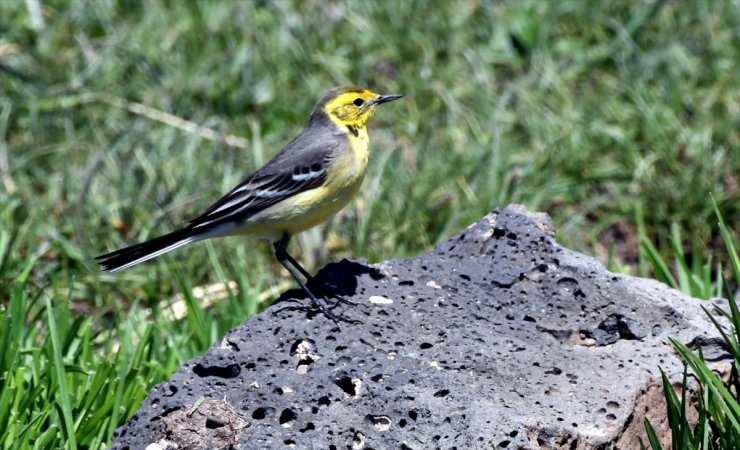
[499, 338]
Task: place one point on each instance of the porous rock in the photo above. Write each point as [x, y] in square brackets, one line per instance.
[499, 338]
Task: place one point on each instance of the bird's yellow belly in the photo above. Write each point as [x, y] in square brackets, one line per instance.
[318, 205]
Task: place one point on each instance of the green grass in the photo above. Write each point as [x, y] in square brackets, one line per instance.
[119, 120]
[708, 417]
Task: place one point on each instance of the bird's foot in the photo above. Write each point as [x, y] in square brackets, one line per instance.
[318, 307]
[339, 299]
[336, 318]
[328, 289]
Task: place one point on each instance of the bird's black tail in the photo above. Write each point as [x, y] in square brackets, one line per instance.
[129, 256]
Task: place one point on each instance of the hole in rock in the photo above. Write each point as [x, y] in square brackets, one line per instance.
[378, 377]
[287, 417]
[309, 426]
[442, 393]
[350, 386]
[214, 422]
[165, 413]
[172, 390]
[261, 413]
[380, 423]
[358, 441]
[304, 364]
[230, 371]
[300, 348]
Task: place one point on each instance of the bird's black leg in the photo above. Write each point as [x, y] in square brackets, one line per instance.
[305, 273]
[291, 265]
[281, 252]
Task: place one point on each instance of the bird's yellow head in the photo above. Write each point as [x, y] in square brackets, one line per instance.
[349, 105]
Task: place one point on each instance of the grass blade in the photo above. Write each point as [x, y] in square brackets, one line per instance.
[64, 397]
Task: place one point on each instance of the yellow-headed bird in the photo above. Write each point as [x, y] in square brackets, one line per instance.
[310, 180]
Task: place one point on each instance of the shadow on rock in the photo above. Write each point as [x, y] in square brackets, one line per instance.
[335, 279]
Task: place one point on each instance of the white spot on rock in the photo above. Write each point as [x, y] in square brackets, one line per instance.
[358, 442]
[379, 300]
[381, 423]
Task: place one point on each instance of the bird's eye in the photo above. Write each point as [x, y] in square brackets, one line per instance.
[358, 102]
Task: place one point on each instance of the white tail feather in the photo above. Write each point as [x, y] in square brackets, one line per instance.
[149, 256]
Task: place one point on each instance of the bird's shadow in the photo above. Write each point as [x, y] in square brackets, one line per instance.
[335, 280]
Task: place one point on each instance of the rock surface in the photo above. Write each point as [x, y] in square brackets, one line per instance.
[500, 338]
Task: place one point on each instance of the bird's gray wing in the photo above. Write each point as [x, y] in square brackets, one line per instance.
[302, 165]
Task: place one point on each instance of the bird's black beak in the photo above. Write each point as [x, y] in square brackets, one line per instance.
[387, 98]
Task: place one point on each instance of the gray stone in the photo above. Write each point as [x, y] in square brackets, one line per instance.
[500, 338]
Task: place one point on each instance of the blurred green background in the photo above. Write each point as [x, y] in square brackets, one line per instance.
[119, 120]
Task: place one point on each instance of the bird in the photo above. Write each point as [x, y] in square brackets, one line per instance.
[312, 178]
